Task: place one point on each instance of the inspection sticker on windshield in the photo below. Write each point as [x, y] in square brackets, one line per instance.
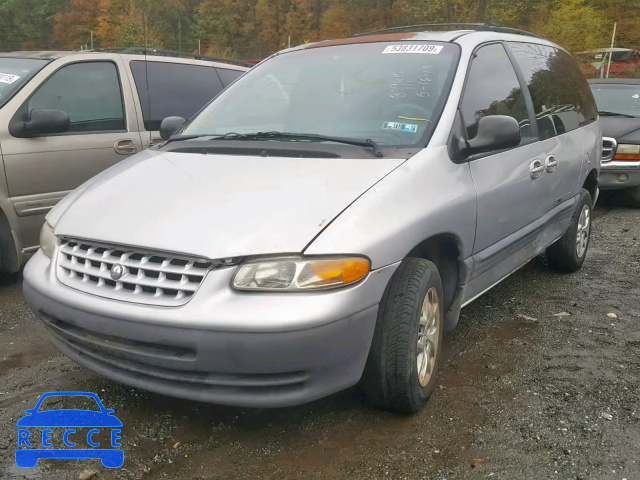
[400, 127]
[414, 48]
[8, 78]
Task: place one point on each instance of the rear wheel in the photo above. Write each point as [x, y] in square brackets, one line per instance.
[568, 253]
[632, 196]
[401, 369]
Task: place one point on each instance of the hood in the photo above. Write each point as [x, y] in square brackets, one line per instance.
[620, 128]
[216, 206]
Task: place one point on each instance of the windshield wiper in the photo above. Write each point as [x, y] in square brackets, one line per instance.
[178, 138]
[604, 113]
[303, 136]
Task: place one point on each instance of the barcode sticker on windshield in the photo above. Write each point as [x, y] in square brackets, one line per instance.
[414, 48]
[8, 78]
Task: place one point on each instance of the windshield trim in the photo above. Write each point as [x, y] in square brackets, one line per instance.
[423, 142]
[26, 79]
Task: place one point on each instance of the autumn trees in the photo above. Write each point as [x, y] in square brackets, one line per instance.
[256, 28]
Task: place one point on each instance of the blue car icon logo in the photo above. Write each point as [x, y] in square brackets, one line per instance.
[43, 433]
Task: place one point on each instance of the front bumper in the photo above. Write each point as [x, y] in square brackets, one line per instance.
[225, 347]
[610, 175]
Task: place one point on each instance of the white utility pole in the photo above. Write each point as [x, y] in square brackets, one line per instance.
[613, 41]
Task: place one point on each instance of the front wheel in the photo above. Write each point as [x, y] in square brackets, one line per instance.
[568, 253]
[400, 374]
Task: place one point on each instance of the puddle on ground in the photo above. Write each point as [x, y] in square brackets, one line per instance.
[27, 358]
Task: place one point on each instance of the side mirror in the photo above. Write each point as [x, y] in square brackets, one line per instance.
[171, 125]
[46, 122]
[495, 132]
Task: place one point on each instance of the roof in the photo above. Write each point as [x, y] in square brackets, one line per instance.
[466, 27]
[614, 81]
[43, 55]
[428, 32]
[137, 52]
[389, 37]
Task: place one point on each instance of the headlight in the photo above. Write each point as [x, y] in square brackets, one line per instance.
[292, 273]
[47, 240]
[628, 152]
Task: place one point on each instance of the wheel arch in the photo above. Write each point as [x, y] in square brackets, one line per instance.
[9, 260]
[444, 251]
[591, 184]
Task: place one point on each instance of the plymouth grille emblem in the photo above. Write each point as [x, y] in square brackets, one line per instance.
[117, 272]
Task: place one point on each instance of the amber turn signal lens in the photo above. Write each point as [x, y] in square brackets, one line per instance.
[627, 158]
[326, 273]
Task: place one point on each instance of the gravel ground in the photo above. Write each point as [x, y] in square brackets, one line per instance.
[539, 380]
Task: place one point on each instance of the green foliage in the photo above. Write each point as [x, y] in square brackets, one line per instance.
[27, 24]
[576, 25]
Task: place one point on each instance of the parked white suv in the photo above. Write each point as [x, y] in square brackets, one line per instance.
[66, 116]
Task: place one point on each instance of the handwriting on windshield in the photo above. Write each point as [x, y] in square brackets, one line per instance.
[402, 86]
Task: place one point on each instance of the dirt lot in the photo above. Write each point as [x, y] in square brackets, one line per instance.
[538, 381]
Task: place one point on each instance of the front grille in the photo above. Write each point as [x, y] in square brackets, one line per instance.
[150, 278]
[609, 146]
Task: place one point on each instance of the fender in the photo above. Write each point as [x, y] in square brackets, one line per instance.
[10, 249]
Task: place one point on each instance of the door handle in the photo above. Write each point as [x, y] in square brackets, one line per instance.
[125, 147]
[551, 163]
[536, 168]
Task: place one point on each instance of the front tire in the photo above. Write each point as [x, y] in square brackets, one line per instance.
[568, 253]
[400, 374]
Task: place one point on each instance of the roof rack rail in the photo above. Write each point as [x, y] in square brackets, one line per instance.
[171, 53]
[478, 27]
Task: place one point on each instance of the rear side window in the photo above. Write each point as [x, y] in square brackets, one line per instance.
[493, 89]
[175, 89]
[88, 92]
[228, 76]
[561, 96]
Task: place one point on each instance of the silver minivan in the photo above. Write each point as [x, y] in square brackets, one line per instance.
[66, 116]
[324, 219]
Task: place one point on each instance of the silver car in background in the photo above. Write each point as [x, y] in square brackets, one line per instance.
[324, 219]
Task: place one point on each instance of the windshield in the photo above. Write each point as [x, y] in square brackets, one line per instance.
[391, 93]
[14, 73]
[623, 99]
